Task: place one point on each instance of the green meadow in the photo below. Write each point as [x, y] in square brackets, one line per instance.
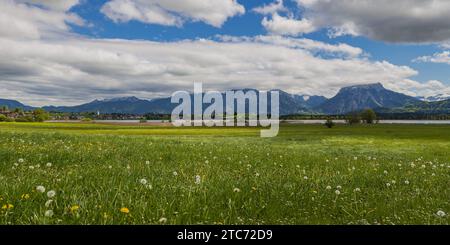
[61, 173]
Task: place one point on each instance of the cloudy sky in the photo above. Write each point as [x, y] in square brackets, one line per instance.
[69, 52]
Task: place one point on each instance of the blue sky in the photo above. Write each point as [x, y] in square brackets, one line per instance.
[62, 52]
[249, 24]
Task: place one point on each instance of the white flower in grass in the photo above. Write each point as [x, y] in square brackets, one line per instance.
[328, 188]
[51, 194]
[236, 190]
[48, 203]
[49, 165]
[441, 213]
[49, 213]
[143, 181]
[305, 177]
[406, 182]
[40, 189]
[147, 162]
[357, 190]
[385, 172]
[338, 187]
[31, 167]
[16, 164]
[163, 220]
[198, 179]
[110, 167]
[21, 160]
[175, 173]
[337, 192]
[388, 184]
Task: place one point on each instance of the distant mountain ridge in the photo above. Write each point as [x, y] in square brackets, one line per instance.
[13, 104]
[348, 99]
[360, 97]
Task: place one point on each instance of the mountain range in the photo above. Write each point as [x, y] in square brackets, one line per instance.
[348, 99]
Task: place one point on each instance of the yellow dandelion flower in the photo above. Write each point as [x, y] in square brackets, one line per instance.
[125, 210]
[74, 208]
[25, 196]
[7, 206]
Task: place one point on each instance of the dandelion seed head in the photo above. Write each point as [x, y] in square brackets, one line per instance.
[40, 189]
[198, 179]
[143, 181]
[49, 165]
[328, 187]
[441, 213]
[51, 194]
[49, 213]
[236, 190]
[163, 220]
[337, 192]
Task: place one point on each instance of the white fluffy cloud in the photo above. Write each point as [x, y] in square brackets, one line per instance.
[76, 70]
[19, 19]
[443, 57]
[427, 89]
[60, 5]
[341, 50]
[275, 7]
[287, 25]
[173, 12]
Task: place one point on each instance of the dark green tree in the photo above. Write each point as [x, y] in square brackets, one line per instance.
[39, 115]
[369, 116]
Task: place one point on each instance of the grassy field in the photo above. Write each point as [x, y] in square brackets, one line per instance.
[103, 174]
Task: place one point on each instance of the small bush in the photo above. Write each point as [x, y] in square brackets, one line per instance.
[329, 123]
